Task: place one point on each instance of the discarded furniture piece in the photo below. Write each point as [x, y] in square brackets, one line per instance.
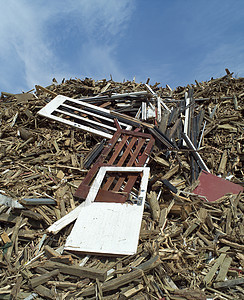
[80, 114]
[109, 228]
[213, 187]
[125, 149]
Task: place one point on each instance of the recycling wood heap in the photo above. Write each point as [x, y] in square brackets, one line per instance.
[126, 190]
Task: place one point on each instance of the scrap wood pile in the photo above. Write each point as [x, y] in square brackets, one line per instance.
[82, 218]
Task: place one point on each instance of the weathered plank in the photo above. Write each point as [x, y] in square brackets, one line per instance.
[78, 271]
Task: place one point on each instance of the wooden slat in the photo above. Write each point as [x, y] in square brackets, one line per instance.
[120, 162]
[115, 147]
[117, 150]
[115, 283]
[78, 271]
[109, 196]
[84, 187]
[130, 163]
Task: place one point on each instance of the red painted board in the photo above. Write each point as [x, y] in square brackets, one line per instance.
[213, 187]
[125, 149]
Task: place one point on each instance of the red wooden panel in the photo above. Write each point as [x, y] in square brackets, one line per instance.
[109, 196]
[130, 163]
[121, 161]
[213, 187]
[126, 148]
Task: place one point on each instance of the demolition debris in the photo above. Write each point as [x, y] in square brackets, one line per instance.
[126, 190]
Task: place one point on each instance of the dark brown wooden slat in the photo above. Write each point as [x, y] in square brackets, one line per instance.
[133, 158]
[115, 146]
[84, 187]
[117, 150]
[130, 164]
[110, 196]
[142, 159]
[130, 183]
[132, 179]
[120, 162]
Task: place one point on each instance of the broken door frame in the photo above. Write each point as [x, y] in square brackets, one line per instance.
[105, 227]
[102, 172]
[99, 113]
[71, 216]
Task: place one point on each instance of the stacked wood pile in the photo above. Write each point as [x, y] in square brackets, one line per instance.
[188, 249]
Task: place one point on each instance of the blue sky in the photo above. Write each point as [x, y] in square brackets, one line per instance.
[172, 42]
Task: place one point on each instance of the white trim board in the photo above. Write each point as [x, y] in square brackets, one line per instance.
[79, 110]
[109, 228]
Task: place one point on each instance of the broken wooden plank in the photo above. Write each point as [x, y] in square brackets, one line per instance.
[44, 292]
[34, 282]
[78, 271]
[210, 275]
[154, 205]
[229, 283]
[114, 284]
[223, 163]
[14, 237]
[50, 252]
[132, 292]
[224, 268]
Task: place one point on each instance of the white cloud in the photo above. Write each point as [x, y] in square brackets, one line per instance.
[27, 48]
[24, 49]
[100, 63]
[104, 18]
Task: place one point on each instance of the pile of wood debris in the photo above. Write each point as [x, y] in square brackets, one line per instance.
[53, 142]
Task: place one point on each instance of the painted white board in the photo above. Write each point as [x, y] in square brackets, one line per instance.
[106, 228]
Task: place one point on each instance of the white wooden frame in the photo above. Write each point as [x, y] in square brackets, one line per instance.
[187, 116]
[143, 111]
[102, 227]
[105, 227]
[53, 106]
[102, 172]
